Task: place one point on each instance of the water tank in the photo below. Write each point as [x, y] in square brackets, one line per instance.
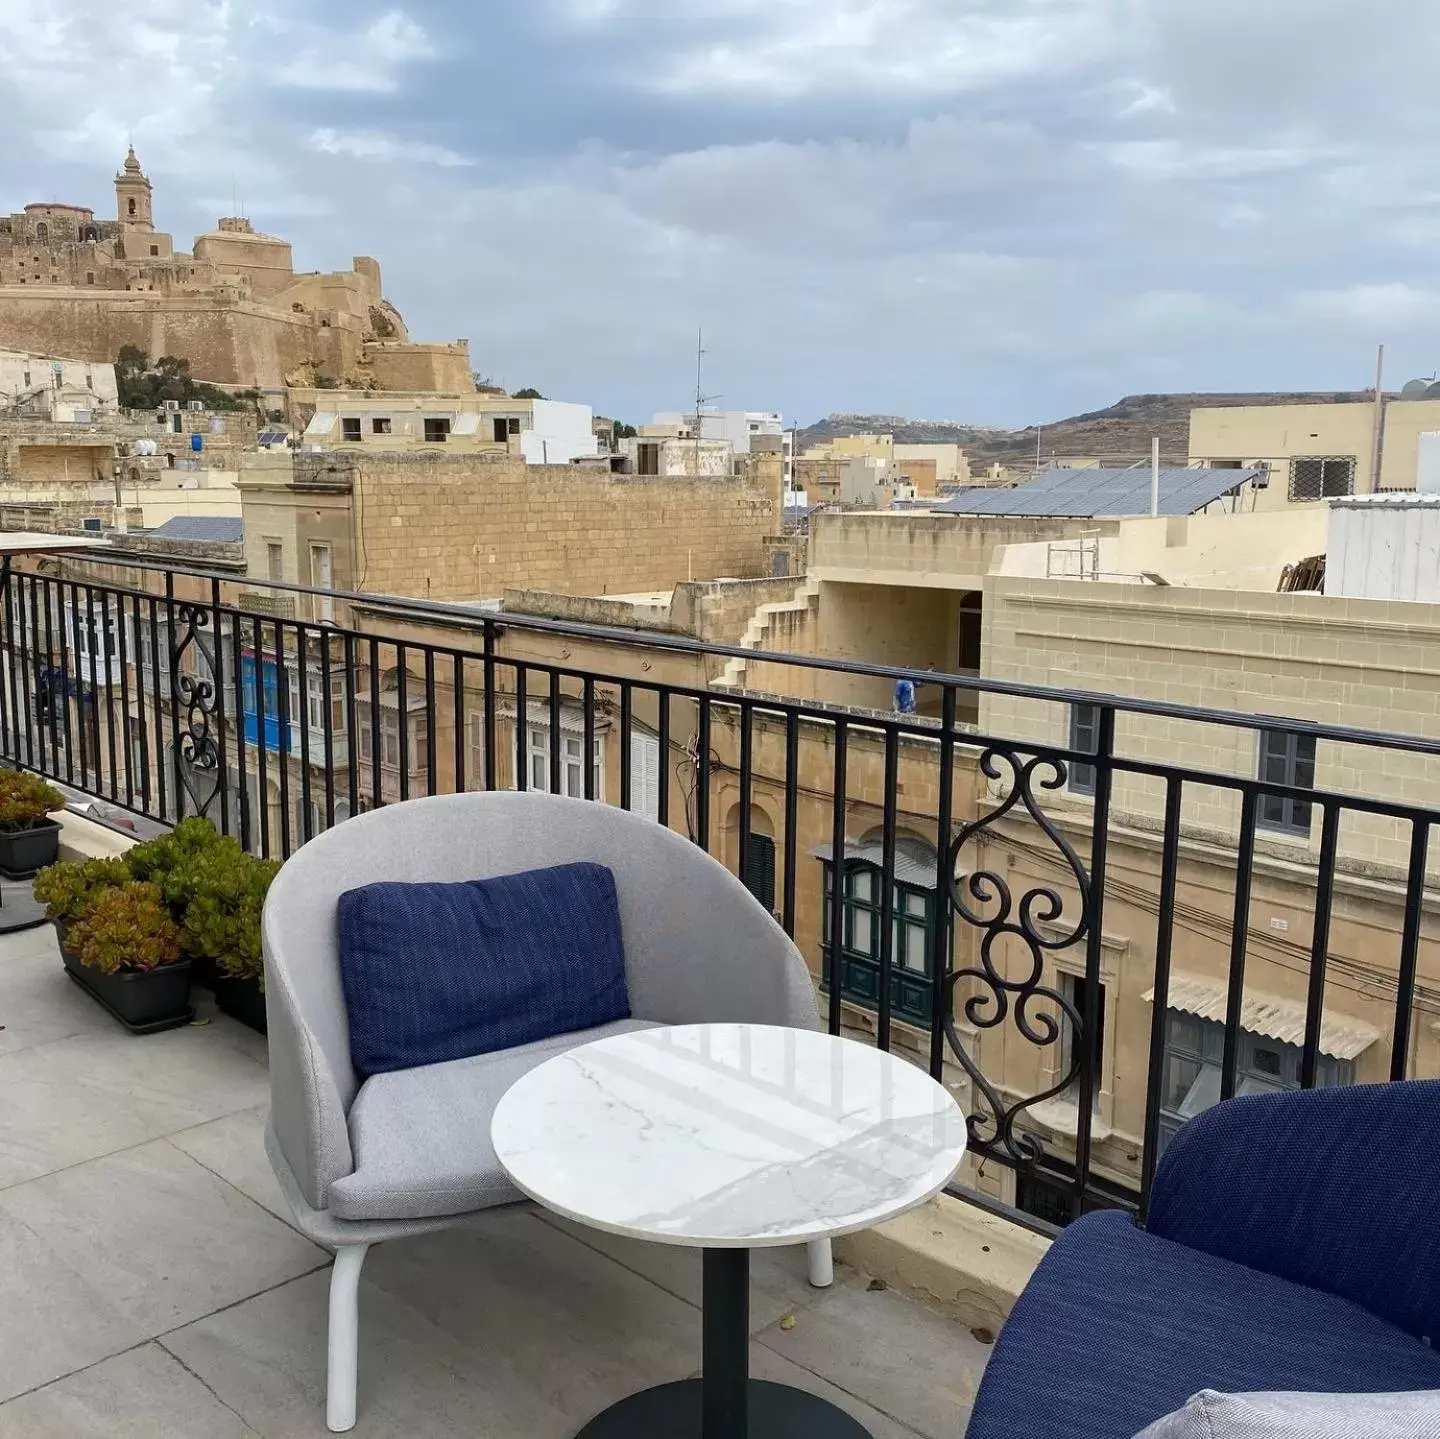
[197, 442]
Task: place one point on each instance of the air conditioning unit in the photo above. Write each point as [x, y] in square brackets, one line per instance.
[196, 405]
[172, 405]
[1262, 475]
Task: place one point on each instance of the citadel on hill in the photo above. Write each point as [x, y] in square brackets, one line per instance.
[74, 285]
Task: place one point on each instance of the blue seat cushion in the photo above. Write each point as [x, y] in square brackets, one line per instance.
[1118, 1328]
[436, 972]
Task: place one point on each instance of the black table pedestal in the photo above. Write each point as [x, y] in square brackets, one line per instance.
[725, 1403]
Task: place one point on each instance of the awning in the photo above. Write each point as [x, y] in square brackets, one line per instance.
[467, 425]
[914, 861]
[321, 423]
[1341, 1036]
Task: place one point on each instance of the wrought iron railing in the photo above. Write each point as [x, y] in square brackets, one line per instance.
[894, 844]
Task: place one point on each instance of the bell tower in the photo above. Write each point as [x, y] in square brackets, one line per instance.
[132, 196]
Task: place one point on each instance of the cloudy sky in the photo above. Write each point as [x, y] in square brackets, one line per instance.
[996, 211]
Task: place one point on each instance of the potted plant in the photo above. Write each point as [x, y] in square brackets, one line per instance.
[29, 838]
[222, 927]
[209, 891]
[125, 950]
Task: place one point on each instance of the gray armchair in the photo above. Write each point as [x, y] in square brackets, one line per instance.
[407, 1153]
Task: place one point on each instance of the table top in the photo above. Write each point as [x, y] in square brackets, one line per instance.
[728, 1135]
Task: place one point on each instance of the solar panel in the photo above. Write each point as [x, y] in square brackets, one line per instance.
[1093, 494]
[211, 529]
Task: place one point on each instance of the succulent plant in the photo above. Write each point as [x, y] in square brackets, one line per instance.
[126, 928]
[26, 800]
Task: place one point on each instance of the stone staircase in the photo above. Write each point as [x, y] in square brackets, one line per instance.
[759, 628]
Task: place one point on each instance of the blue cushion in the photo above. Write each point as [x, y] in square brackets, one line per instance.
[1118, 1328]
[435, 972]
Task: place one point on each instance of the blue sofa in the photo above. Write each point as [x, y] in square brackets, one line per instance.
[1293, 1243]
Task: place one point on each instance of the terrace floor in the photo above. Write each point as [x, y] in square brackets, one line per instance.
[153, 1288]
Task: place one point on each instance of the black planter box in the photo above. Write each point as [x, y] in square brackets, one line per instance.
[145, 1002]
[23, 852]
[241, 999]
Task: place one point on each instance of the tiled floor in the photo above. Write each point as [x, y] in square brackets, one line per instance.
[153, 1288]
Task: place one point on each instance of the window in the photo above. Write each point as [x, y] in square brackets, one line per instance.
[475, 750]
[572, 762]
[130, 207]
[417, 740]
[1194, 1049]
[1321, 479]
[1085, 739]
[499, 431]
[437, 431]
[759, 876]
[322, 576]
[1288, 759]
[316, 710]
[645, 774]
[513, 425]
[913, 933]
[350, 427]
[42, 231]
[275, 559]
[647, 459]
[154, 249]
[380, 425]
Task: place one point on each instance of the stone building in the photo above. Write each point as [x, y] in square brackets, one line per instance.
[234, 306]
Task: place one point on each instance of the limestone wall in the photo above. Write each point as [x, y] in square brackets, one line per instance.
[464, 527]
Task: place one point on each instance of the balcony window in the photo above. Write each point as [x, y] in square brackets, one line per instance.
[572, 761]
[417, 739]
[1287, 759]
[914, 924]
[1194, 1049]
[260, 702]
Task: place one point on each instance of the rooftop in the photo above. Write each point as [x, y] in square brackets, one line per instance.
[155, 1287]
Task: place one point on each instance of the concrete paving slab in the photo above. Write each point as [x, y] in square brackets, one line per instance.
[157, 1237]
[38, 1002]
[234, 1148]
[143, 1394]
[93, 1094]
[907, 1362]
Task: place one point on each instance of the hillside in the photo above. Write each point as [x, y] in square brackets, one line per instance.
[1121, 433]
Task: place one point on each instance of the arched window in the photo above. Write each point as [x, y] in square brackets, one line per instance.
[130, 204]
[42, 231]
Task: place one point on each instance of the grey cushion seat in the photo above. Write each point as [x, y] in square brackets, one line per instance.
[421, 1137]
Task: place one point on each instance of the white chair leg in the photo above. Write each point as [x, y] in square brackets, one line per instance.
[344, 1344]
[822, 1263]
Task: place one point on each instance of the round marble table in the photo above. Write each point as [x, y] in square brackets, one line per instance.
[727, 1137]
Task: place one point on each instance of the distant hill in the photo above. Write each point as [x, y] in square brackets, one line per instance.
[1120, 434]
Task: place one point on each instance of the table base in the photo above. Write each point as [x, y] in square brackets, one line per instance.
[673, 1411]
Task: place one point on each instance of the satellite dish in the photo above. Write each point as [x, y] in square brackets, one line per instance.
[1415, 390]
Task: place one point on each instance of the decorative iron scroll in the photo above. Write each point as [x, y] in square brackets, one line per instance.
[1038, 921]
[197, 701]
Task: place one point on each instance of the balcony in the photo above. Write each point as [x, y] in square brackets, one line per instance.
[155, 1287]
[1092, 916]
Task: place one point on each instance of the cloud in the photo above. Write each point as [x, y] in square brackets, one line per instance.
[371, 61]
[377, 146]
[1005, 210]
